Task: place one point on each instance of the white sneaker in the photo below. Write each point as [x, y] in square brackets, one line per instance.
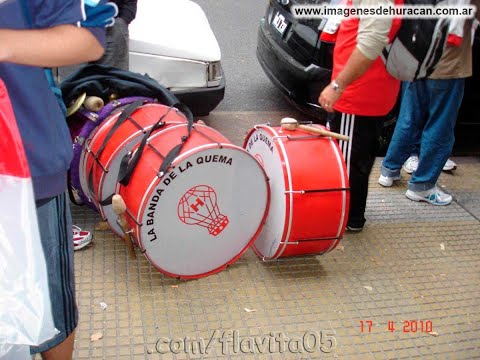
[433, 196]
[411, 164]
[81, 238]
[387, 181]
[449, 165]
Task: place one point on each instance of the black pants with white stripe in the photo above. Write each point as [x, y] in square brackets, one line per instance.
[359, 154]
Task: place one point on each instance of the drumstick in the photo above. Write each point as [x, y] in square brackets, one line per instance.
[93, 103]
[120, 208]
[292, 124]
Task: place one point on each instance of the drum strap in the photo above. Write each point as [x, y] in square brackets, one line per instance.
[130, 161]
[126, 113]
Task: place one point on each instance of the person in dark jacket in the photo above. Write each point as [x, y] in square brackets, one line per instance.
[116, 53]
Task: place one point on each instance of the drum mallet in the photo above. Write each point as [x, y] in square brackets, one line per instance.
[93, 103]
[120, 209]
[292, 125]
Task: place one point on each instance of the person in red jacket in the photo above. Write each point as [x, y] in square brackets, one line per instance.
[359, 97]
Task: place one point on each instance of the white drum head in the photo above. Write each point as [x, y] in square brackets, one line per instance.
[261, 145]
[205, 213]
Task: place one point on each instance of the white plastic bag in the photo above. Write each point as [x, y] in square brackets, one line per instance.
[25, 310]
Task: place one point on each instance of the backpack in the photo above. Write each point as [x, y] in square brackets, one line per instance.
[418, 45]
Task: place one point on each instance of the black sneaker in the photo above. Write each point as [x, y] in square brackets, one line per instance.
[354, 228]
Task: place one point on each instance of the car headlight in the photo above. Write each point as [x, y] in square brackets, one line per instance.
[214, 74]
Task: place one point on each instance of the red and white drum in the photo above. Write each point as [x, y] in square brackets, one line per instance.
[205, 212]
[309, 192]
[101, 169]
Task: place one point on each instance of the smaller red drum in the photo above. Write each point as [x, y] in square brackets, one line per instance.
[99, 167]
[309, 192]
[205, 211]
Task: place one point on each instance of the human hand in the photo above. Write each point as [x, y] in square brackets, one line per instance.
[328, 98]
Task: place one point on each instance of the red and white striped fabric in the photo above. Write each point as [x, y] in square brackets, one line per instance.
[25, 311]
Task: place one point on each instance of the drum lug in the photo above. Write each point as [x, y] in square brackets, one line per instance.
[92, 116]
[79, 140]
[116, 103]
[299, 192]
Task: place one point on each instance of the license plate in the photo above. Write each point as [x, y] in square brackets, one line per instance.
[279, 23]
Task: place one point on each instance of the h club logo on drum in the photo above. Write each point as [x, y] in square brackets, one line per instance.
[199, 206]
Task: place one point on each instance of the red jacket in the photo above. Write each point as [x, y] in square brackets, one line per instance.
[376, 91]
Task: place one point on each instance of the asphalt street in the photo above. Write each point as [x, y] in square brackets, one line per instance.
[235, 25]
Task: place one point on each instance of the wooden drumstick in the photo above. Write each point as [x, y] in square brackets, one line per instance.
[93, 103]
[292, 125]
[120, 208]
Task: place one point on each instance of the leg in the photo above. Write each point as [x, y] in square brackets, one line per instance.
[56, 235]
[62, 351]
[359, 154]
[407, 131]
[116, 52]
[445, 98]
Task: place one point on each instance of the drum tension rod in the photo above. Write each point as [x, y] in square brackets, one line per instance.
[97, 160]
[301, 192]
[309, 240]
[137, 125]
[306, 137]
[295, 138]
[133, 218]
[209, 138]
[155, 150]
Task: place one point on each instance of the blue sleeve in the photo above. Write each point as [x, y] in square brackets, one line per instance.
[92, 14]
[48, 13]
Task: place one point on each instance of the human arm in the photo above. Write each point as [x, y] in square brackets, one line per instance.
[56, 46]
[372, 37]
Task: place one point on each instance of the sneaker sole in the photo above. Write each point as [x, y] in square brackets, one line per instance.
[353, 229]
[450, 168]
[81, 246]
[412, 196]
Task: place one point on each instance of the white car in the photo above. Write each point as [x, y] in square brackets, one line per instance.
[172, 42]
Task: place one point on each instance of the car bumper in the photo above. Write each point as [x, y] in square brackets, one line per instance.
[202, 101]
[302, 84]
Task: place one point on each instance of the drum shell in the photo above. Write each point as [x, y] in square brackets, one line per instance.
[316, 196]
[145, 184]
